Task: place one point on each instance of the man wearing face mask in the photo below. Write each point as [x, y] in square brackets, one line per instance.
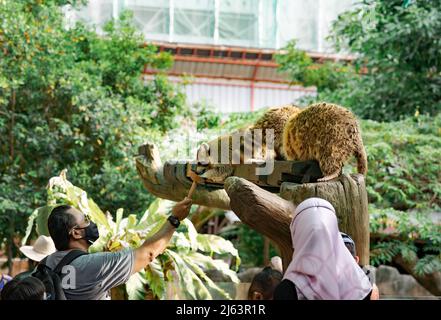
[95, 274]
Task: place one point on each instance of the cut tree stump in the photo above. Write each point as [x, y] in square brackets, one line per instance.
[263, 211]
[349, 197]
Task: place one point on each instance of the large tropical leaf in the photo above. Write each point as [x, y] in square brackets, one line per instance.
[135, 287]
[31, 220]
[39, 217]
[210, 243]
[180, 243]
[191, 234]
[192, 286]
[208, 263]
[208, 282]
[151, 211]
[154, 275]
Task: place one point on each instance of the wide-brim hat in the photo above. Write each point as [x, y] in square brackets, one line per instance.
[42, 247]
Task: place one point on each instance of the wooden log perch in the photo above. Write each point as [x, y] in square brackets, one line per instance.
[265, 212]
[169, 180]
[270, 214]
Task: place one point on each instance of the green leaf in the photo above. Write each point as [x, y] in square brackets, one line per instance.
[135, 286]
[208, 282]
[31, 220]
[192, 234]
[42, 218]
[188, 279]
[214, 244]
[154, 275]
[208, 263]
[119, 215]
[151, 211]
[131, 222]
[180, 243]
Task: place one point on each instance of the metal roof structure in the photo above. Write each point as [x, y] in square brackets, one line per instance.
[235, 78]
[232, 63]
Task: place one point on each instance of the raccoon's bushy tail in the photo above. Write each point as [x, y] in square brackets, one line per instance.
[361, 157]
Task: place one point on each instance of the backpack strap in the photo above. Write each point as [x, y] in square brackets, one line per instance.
[68, 258]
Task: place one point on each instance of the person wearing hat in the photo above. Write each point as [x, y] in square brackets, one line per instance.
[42, 247]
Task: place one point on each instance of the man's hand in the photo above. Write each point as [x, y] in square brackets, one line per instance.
[182, 208]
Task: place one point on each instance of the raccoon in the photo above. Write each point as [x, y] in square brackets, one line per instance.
[327, 133]
[274, 118]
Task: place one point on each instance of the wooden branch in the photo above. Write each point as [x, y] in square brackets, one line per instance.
[170, 181]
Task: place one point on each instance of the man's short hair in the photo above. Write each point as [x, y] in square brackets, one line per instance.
[349, 243]
[60, 222]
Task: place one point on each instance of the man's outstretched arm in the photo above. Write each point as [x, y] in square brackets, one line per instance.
[156, 244]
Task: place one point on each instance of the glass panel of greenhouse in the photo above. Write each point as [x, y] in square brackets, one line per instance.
[246, 23]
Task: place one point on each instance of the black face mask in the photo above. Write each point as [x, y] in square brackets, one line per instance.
[91, 233]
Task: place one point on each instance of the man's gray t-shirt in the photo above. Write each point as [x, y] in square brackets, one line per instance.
[94, 274]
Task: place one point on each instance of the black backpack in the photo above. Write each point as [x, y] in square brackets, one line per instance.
[52, 278]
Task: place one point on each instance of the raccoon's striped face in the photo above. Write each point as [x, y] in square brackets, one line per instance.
[203, 154]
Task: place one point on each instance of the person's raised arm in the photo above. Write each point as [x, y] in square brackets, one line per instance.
[156, 244]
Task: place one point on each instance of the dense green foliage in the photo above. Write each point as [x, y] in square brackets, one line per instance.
[397, 66]
[404, 188]
[404, 161]
[301, 69]
[72, 99]
[414, 236]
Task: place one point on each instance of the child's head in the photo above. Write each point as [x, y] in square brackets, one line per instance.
[264, 283]
[350, 244]
[29, 288]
